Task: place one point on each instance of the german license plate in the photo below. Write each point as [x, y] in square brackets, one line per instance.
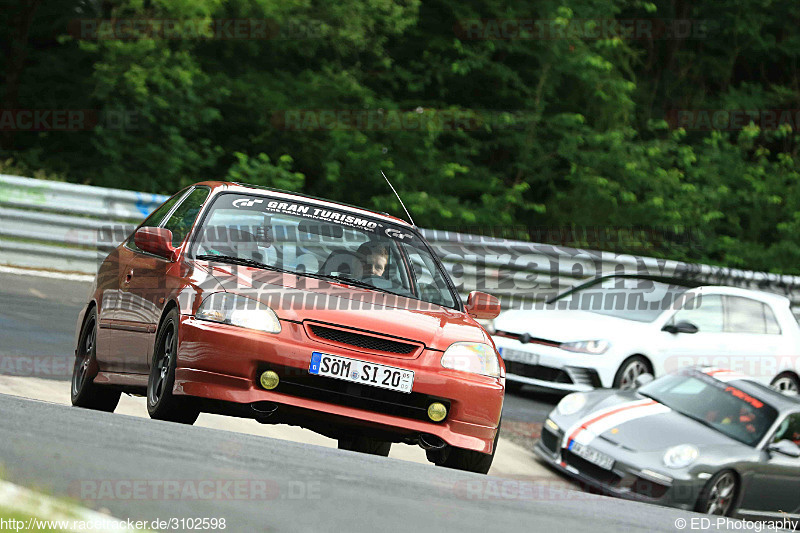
[355, 371]
[519, 356]
[593, 456]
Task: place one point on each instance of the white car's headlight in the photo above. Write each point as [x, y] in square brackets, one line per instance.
[571, 403]
[681, 456]
[227, 308]
[593, 347]
[475, 357]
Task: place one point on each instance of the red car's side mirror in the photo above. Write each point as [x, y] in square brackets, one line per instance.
[157, 241]
[482, 305]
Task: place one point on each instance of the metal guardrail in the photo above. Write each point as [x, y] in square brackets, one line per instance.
[46, 224]
[50, 224]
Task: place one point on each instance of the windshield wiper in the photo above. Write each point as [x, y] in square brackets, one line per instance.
[241, 261]
[258, 264]
[702, 421]
[349, 281]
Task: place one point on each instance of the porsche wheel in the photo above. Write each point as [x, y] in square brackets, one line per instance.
[367, 445]
[84, 393]
[718, 497]
[161, 403]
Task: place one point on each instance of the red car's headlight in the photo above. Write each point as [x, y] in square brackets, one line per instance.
[475, 357]
[227, 308]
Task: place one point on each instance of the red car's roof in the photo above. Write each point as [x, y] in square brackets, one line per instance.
[246, 188]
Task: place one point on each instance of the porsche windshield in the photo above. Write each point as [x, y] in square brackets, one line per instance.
[721, 406]
[314, 240]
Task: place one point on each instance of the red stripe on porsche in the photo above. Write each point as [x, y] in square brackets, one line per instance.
[588, 423]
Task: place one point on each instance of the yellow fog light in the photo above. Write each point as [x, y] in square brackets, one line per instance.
[269, 380]
[437, 411]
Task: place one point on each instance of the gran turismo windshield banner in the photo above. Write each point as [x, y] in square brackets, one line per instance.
[313, 212]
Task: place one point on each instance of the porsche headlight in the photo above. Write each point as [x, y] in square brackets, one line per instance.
[571, 403]
[474, 357]
[681, 456]
[592, 347]
[227, 308]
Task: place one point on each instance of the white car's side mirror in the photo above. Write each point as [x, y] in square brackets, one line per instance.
[681, 327]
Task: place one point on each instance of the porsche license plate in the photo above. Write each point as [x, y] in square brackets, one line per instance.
[355, 371]
[593, 456]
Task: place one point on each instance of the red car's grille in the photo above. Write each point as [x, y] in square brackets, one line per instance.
[362, 340]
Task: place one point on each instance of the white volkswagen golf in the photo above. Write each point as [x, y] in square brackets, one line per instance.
[609, 331]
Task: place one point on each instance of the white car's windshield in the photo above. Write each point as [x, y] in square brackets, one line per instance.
[638, 299]
[323, 242]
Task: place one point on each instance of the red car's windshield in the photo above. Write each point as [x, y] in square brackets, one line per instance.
[311, 239]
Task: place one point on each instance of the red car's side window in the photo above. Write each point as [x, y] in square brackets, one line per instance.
[182, 220]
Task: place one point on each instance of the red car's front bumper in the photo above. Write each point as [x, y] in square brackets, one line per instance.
[220, 362]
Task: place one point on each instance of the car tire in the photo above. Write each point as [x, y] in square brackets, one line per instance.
[719, 494]
[357, 443]
[513, 386]
[161, 403]
[629, 370]
[84, 392]
[466, 460]
[786, 383]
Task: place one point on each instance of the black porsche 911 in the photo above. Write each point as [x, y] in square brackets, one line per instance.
[708, 440]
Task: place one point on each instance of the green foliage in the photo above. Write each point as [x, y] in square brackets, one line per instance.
[260, 170]
[476, 131]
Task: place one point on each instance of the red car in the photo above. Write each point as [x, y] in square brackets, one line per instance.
[251, 302]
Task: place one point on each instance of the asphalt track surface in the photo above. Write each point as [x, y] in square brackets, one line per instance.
[125, 464]
[144, 470]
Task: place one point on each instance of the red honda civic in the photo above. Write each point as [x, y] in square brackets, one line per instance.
[252, 302]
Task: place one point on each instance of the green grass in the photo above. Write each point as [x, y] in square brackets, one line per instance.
[7, 514]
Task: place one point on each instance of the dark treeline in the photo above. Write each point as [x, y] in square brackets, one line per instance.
[676, 115]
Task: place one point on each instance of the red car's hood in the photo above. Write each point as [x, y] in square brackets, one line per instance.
[300, 298]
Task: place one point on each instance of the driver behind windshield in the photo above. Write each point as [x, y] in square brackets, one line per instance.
[374, 256]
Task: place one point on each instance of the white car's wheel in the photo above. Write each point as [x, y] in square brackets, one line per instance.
[787, 383]
[629, 370]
